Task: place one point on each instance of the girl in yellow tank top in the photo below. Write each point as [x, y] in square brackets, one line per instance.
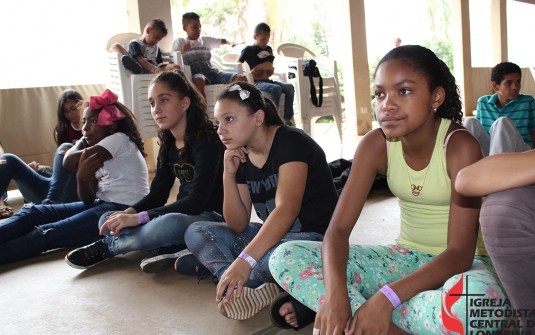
[406, 287]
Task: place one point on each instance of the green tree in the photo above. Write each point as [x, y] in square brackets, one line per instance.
[443, 48]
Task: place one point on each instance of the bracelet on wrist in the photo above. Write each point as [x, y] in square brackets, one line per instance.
[391, 295]
[143, 217]
[250, 260]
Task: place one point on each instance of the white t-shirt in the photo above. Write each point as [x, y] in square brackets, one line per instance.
[124, 179]
[198, 56]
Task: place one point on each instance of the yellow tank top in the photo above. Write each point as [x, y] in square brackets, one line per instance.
[424, 218]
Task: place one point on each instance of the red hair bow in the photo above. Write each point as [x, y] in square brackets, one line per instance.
[109, 113]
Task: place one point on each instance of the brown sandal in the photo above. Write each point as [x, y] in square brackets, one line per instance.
[6, 212]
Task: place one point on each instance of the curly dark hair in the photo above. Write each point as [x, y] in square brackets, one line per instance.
[437, 74]
[501, 70]
[63, 122]
[127, 126]
[254, 102]
[198, 124]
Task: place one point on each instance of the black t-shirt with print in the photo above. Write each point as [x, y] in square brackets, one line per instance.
[320, 197]
[255, 55]
[201, 180]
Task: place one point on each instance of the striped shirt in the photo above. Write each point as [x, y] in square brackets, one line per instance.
[520, 110]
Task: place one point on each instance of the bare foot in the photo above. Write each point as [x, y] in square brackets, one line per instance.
[287, 312]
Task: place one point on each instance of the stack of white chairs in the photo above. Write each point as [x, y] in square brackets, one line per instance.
[307, 113]
[132, 89]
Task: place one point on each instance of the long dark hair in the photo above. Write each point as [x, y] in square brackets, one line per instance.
[253, 103]
[437, 74]
[198, 124]
[127, 126]
[65, 96]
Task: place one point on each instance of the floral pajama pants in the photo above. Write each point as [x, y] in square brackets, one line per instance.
[297, 267]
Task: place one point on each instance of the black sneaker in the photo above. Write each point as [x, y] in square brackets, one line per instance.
[164, 260]
[88, 256]
[130, 64]
[189, 265]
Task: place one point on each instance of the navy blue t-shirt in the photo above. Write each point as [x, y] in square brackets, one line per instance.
[255, 55]
[320, 197]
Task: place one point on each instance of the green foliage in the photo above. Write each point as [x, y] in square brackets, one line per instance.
[216, 16]
[443, 48]
[320, 30]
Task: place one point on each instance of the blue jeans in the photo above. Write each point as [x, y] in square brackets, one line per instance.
[163, 231]
[45, 227]
[63, 184]
[216, 246]
[275, 90]
[61, 187]
[216, 77]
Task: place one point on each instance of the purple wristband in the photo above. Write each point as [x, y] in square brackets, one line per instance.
[246, 257]
[143, 217]
[391, 295]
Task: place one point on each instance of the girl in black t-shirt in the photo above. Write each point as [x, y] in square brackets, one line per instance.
[190, 152]
[280, 171]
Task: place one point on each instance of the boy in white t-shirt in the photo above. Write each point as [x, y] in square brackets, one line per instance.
[196, 53]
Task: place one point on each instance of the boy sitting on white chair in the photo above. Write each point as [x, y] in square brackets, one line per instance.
[196, 53]
[259, 57]
[144, 55]
[505, 121]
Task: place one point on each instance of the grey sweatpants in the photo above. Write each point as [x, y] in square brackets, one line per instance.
[504, 137]
[508, 226]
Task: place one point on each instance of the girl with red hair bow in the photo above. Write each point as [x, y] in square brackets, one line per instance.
[111, 175]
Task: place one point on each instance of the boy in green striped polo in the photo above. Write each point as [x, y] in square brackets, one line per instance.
[505, 121]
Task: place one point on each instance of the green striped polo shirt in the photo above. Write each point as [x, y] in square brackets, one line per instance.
[520, 110]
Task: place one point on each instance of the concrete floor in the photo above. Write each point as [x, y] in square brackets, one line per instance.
[44, 295]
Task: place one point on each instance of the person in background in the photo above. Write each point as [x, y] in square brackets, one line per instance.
[259, 57]
[505, 121]
[144, 55]
[47, 185]
[196, 52]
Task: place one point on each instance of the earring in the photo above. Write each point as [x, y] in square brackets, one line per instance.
[434, 110]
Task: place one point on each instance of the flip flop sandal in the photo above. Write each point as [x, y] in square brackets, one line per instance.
[303, 314]
[4, 210]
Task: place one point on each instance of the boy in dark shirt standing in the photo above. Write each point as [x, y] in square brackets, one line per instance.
[259, 57]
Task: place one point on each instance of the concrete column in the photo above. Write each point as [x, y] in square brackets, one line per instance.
[498, 13]
[462, 57]
[356, 70]
[140, 12]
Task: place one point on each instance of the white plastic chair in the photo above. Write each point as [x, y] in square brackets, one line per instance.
[294, 51]
[132, 89]
[213, 91]
[230, 58]
[307, 113]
